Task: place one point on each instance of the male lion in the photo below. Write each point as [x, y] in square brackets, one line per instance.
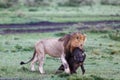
[56, 48]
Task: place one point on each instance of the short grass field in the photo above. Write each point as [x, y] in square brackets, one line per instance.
[102, 62]
[59, 14]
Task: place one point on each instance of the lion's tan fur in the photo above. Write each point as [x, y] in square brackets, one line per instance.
[53, 47]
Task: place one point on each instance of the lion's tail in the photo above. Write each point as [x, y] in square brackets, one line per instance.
[21, 63]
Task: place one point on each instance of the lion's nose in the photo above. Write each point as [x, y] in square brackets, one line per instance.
[81, 46]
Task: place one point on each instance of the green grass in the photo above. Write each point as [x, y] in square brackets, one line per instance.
[59, 14]
[100, 64]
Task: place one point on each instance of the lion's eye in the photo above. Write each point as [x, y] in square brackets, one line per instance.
[77, 37]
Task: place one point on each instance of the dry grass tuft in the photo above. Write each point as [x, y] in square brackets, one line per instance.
[96, 51]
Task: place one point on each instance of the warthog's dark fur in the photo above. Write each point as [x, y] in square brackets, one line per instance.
[75, 59]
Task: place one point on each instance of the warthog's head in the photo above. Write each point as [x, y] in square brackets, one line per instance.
[78, 55]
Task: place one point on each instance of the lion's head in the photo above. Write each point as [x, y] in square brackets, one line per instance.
[73, 40]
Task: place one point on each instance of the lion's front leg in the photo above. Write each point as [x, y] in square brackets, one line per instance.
[65, 64]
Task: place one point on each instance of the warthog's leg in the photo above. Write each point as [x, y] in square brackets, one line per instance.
[83, 69]
[82, 66]
[61, 68]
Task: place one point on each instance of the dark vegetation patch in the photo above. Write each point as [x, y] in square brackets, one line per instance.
[90, 77]
[33, 9]
[24, 69]
[7, 43]
[16, 38]
[12, 31]
[115, 35]
[41, 3]
[110, 45]
[105, 36]
[18, 47]
[63, 75]
[104, 57]
[4, 69]
[100, 44]
[110, 2]
[79, 78]
[116, 63]
[99, 78]
[30, 48]
[112, 51]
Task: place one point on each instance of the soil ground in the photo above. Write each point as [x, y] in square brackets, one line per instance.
[55, 26]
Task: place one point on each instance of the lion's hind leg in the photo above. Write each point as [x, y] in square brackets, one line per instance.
[33, 62]
[41, 62]
[41, 57]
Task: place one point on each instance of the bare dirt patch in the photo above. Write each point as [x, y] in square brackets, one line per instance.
[55, 26]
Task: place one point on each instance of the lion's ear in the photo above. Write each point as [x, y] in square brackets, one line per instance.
[84, 37]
